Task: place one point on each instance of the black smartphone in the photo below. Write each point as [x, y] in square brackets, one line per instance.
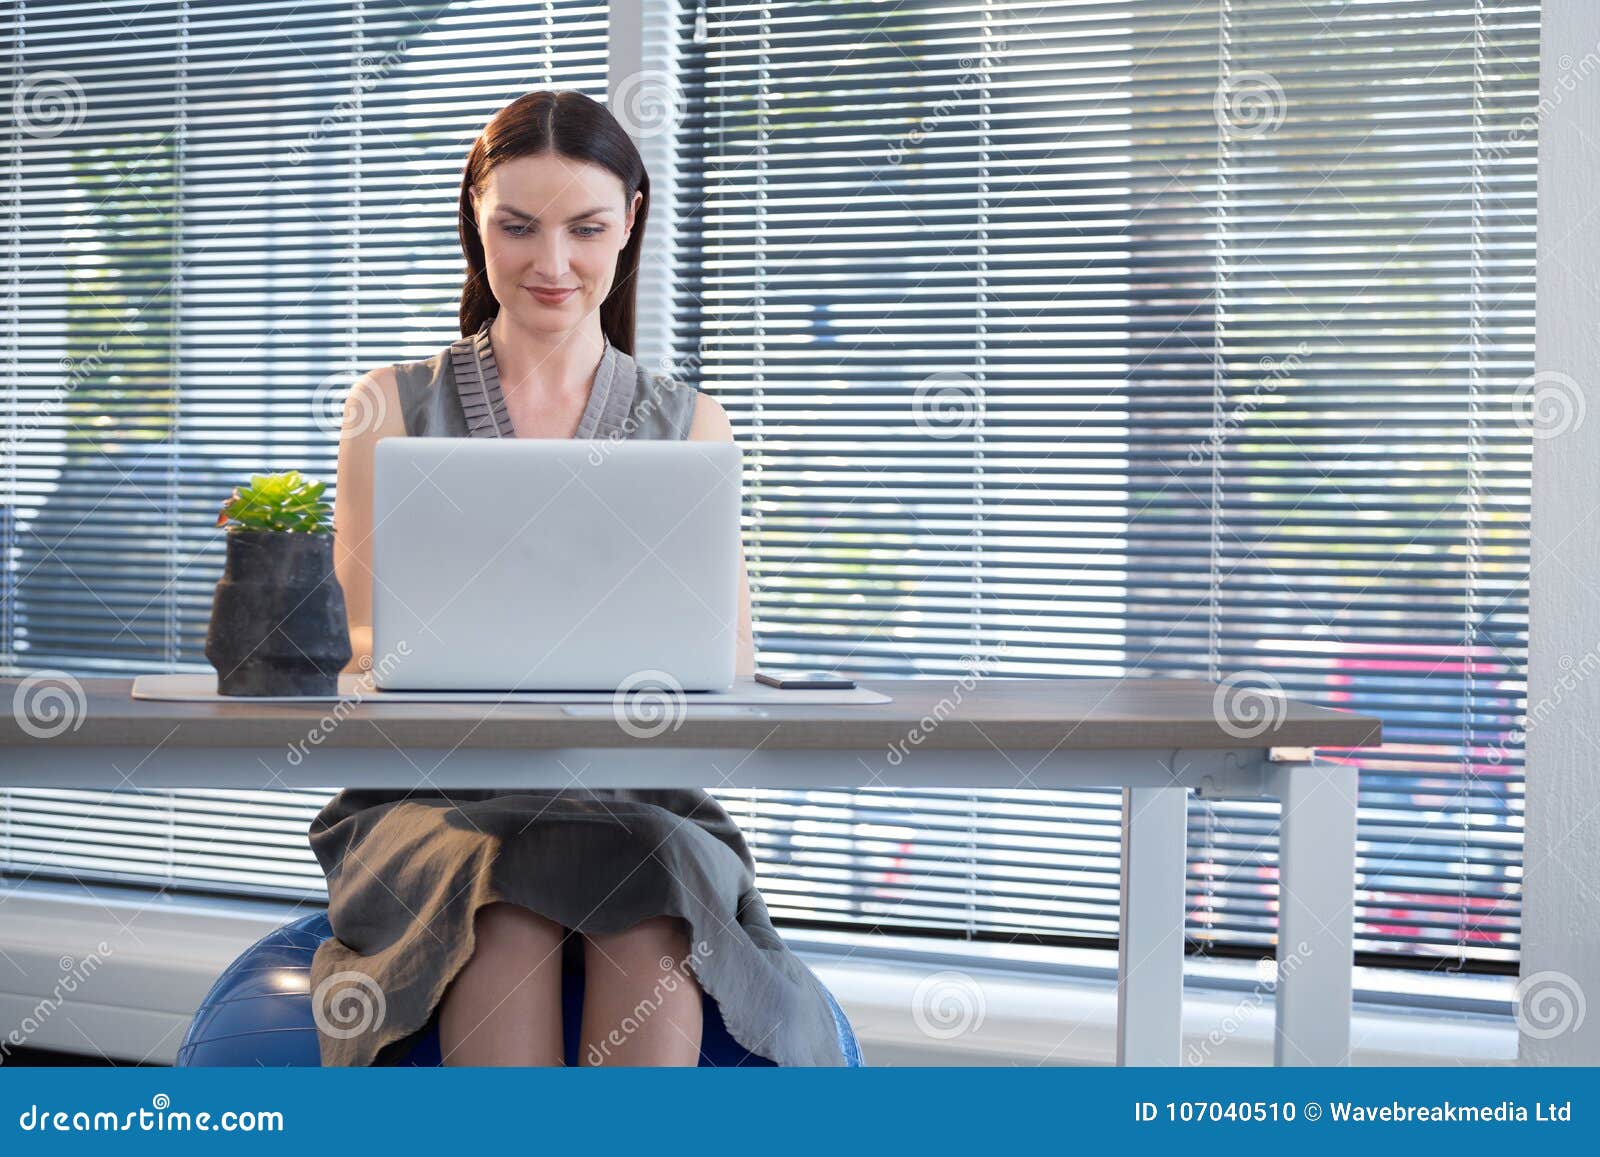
[806, 681]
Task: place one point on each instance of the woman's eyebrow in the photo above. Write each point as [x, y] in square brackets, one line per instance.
[570, 220]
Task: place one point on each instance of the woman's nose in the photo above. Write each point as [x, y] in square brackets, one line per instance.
[550, 256]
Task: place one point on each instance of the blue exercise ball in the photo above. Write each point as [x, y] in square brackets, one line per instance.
[259, 1012]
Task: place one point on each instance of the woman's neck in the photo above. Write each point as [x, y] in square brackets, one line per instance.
[543, 364]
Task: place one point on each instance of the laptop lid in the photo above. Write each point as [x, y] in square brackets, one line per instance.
[564, 564]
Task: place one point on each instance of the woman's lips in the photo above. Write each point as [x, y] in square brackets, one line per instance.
[550, 296]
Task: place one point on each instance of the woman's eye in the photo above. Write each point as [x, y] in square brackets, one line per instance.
[585, 231]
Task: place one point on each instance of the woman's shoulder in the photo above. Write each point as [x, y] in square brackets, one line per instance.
[421, 373]
[664, 404]
[408, 376]
[700, 415]
[404, 389]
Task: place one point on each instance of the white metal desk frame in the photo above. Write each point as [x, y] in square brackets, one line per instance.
[1316, 868]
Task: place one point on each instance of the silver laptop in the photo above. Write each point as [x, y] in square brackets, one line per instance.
[554, 564]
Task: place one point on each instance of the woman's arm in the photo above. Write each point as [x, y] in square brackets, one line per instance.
[371, 412]
[711, 424]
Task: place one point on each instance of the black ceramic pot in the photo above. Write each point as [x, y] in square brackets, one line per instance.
[278, 624]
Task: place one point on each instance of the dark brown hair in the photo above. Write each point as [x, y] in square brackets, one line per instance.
[581, 129]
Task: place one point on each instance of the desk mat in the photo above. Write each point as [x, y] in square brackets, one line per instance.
[201, 687]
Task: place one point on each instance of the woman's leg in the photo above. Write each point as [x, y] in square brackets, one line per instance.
[504, 1006]
[640, 1004]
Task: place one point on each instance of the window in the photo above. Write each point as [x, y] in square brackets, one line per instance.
[1172, 339]
[1064, 339]
[219, 214]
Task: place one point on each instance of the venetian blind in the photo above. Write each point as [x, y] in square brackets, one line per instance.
[1126, 340]
[218, 215]
[1063, 339]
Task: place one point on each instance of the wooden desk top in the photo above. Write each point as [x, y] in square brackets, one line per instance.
[948, 713]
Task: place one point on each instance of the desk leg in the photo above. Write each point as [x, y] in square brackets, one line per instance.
[1155, 834]
[1316, 911]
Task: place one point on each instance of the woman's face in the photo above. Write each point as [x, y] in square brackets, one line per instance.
[552, 223]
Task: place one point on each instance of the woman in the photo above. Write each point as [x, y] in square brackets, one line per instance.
[459, 905]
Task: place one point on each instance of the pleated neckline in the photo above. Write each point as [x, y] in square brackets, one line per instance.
[484, 405]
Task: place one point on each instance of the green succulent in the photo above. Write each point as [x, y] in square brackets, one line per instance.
[278, 502]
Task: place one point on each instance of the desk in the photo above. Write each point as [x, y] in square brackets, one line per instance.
[1156, 739]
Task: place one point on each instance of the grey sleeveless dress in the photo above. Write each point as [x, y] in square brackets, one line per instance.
[407, 870]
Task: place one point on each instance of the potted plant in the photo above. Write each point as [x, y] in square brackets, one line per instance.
[278, 624]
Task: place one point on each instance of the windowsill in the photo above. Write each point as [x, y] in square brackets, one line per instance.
[1411, 989]
[1032, 1005]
